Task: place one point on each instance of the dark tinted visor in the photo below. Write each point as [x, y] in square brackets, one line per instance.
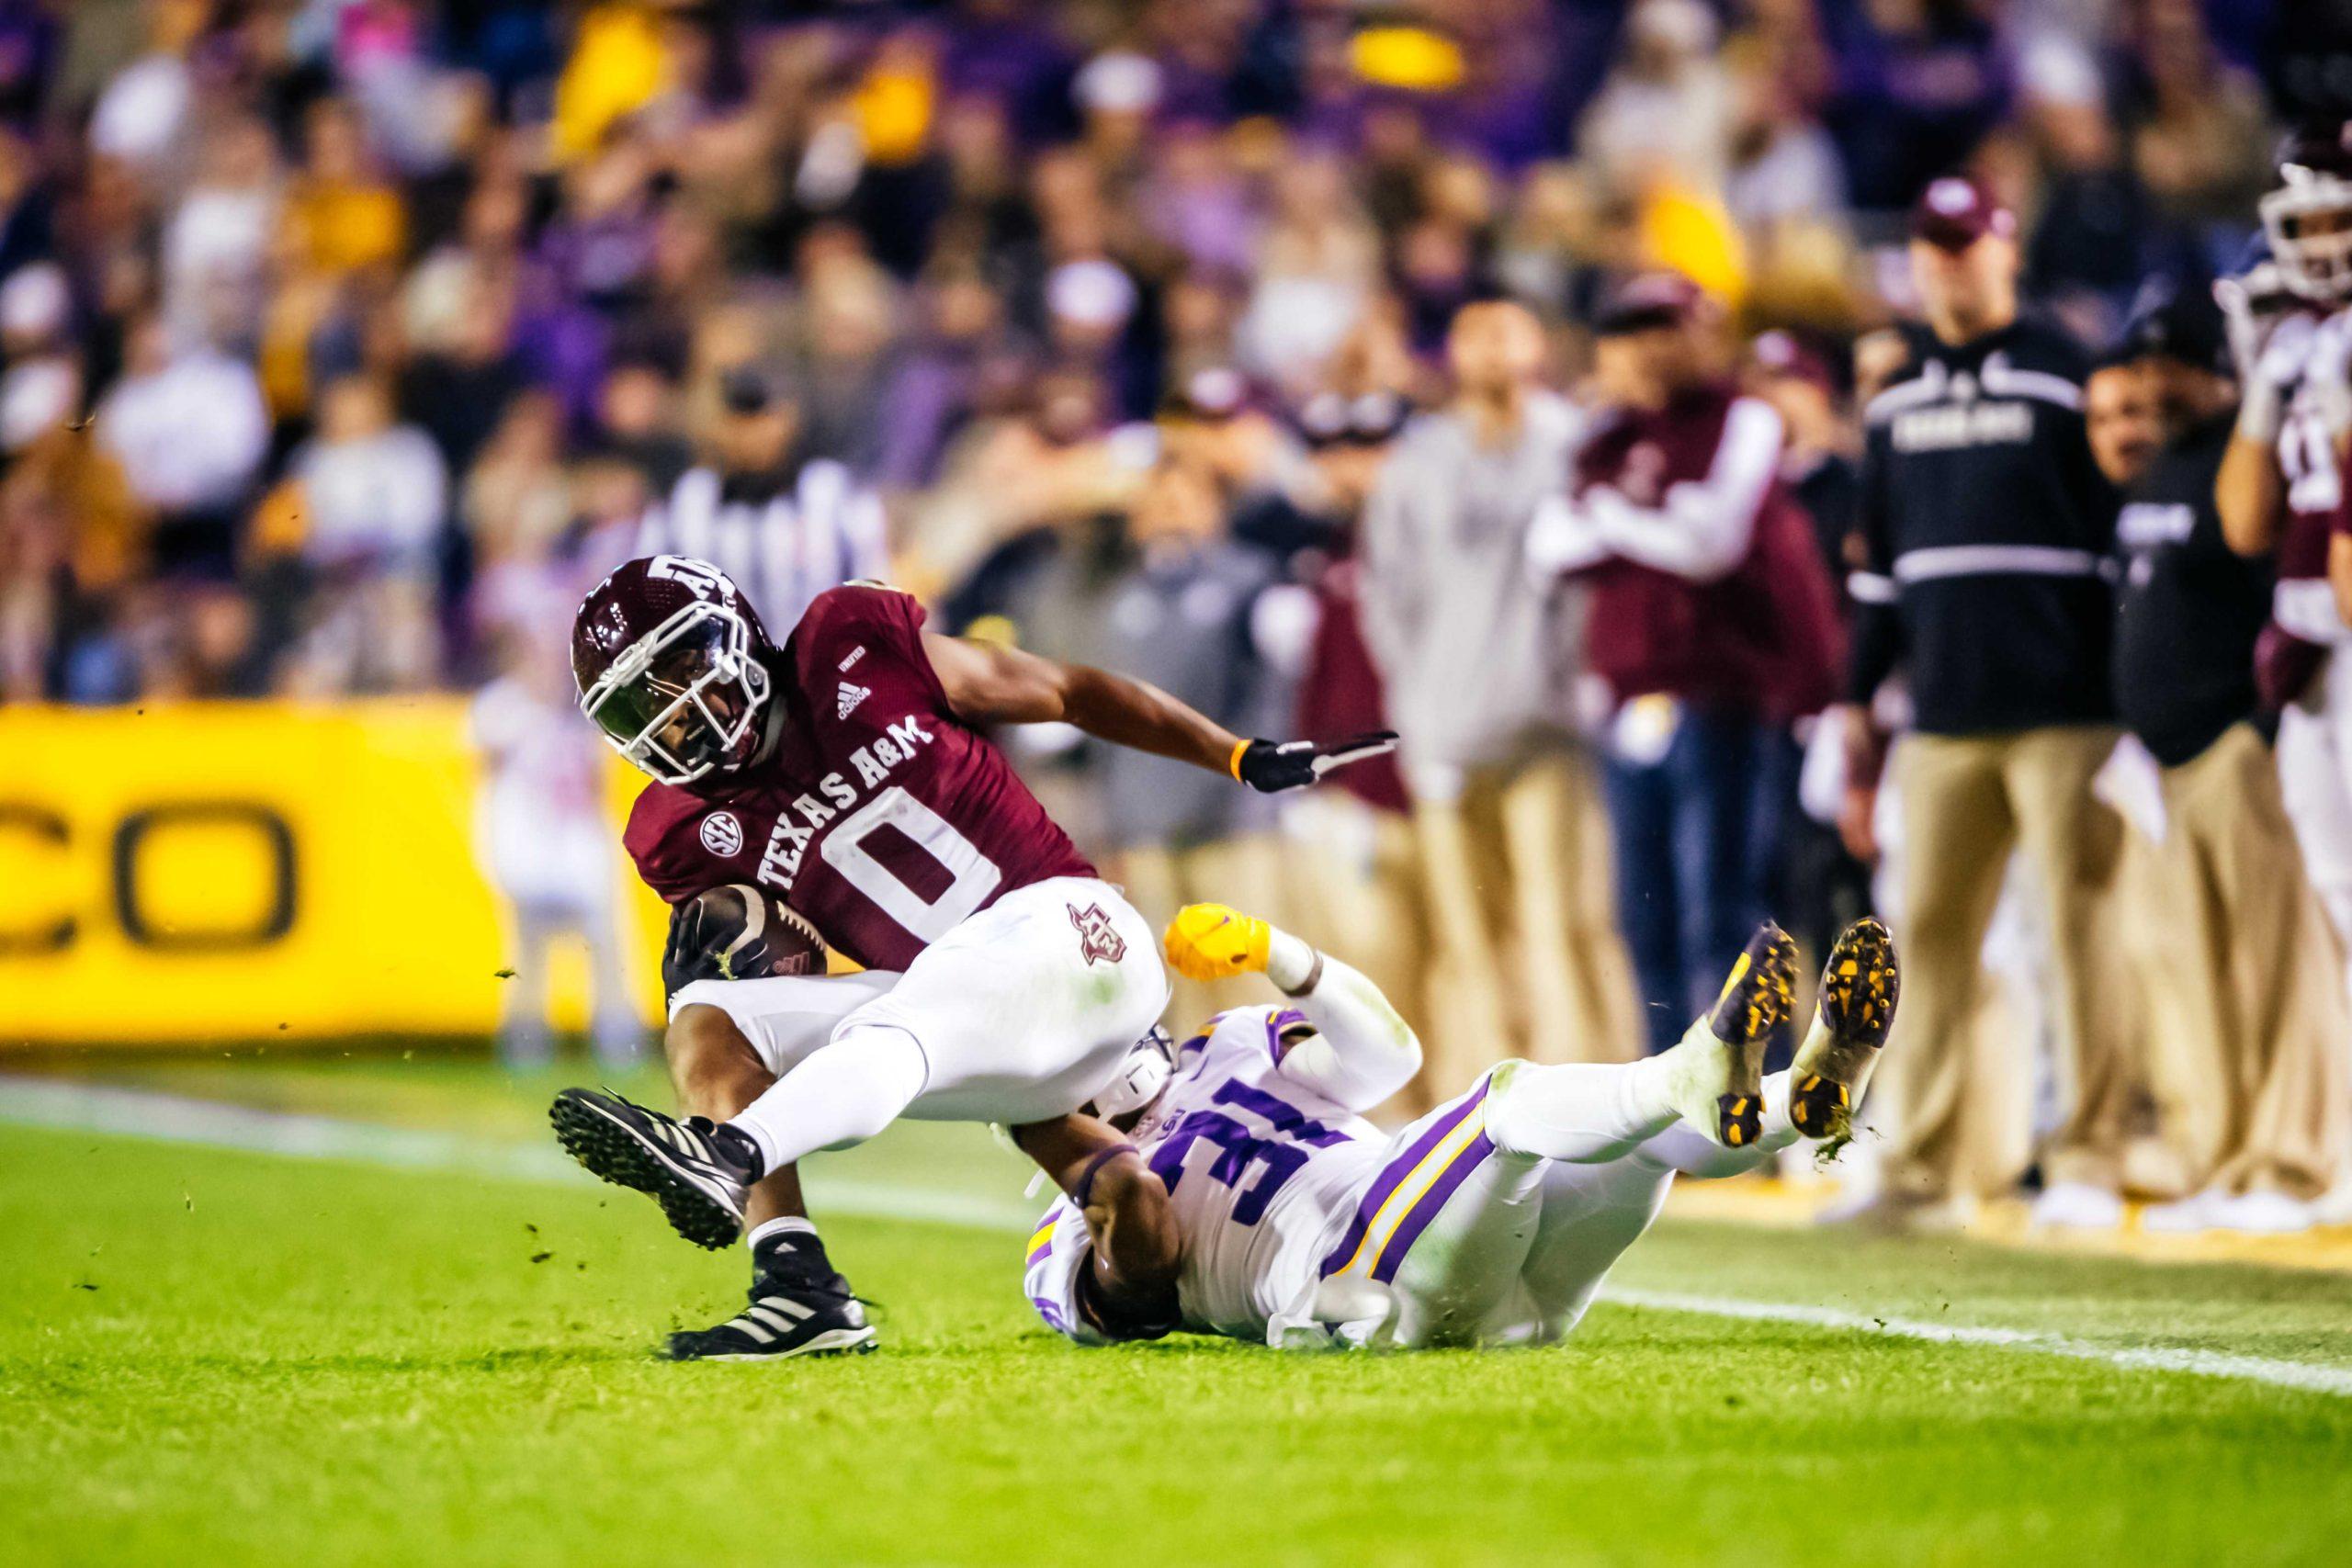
[627, 709]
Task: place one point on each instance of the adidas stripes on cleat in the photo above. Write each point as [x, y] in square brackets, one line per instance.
[696, 1171]
[1859, 989]
[783, 1321]
[1719, 1080]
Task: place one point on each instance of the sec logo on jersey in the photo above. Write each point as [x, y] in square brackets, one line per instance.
[722, 835]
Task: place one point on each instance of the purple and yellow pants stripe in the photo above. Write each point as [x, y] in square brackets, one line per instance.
[1041, 1243]
[1412, 1188]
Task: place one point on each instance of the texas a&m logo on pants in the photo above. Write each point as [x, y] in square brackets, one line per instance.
[1096, 936]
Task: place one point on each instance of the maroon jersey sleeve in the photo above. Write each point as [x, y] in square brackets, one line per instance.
[674, 840]
[860, 639]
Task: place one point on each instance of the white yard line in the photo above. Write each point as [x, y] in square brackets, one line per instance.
[2155, 1358]
[92, 1107]
[174, 1119]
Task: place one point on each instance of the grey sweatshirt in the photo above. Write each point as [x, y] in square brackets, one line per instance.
[1479, 657]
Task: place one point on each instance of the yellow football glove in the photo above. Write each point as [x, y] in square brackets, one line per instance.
[1215, 942]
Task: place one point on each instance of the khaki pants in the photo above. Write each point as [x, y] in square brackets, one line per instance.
[1246, 872]
[1356, 892]
[1966, 802]
[2262, 1099]
[1521, 895]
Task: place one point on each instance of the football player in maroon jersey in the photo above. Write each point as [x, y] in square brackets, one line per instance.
[843, 773]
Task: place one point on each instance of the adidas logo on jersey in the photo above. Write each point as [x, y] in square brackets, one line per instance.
[851, 695]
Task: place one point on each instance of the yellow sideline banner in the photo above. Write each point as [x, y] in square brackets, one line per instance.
[195, 871]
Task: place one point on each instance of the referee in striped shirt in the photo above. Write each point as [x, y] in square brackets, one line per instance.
[784, 529]
[1987, 525]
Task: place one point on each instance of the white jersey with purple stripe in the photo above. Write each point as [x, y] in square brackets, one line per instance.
[1262, 1169]
[1276, 1189]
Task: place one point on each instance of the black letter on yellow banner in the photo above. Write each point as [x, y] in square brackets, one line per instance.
[49, 828]
[134, 832]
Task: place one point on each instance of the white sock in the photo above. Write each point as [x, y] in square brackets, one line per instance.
[1580, 1113]
[783, 1225]
[843, 1094]
[1686, 1150]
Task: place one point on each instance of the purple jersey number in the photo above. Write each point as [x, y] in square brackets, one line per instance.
[1239, 1148]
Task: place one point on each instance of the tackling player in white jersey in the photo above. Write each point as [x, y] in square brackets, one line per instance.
[1491, 1221]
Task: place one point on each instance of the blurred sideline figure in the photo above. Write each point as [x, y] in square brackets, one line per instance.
[1360, 889]
[1478, 662]
[1710, 624]
[1181, 617]
[2259, 1107]
[2002, 618]
[2282, 488]
[542, 841]
[374, 497]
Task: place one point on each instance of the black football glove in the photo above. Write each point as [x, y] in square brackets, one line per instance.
[720, 934]
[1272, 766]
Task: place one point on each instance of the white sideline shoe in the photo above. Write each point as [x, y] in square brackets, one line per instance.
[2334, 1207]
[2079, 1206]
[2263, 1213]
[2182, 1217]
[1881, 1213]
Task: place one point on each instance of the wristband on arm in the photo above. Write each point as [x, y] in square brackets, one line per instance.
[1305, 986]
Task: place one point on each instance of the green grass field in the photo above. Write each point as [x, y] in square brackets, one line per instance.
[213, 1355]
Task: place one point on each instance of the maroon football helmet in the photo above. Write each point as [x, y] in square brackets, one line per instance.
[670, 659]
[2308, 218]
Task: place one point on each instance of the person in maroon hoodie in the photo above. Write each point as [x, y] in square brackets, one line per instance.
[1712, 623]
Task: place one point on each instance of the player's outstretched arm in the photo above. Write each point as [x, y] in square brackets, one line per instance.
[1361, 1052]
[990, 684]
[1137, 1249]
[2246, 494]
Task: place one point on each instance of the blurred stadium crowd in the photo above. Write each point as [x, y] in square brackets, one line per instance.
[346, 341]
[328, 323]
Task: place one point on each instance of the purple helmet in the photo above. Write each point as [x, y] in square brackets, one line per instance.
[670, 659]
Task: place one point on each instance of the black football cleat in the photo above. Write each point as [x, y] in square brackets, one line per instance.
[783, 1321]
[1719, 1068]
[1859, 989]
[697, 1171]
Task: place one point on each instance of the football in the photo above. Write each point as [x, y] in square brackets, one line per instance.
[742, 932]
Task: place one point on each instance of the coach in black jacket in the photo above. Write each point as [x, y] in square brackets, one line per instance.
[1986, 529]
[2260, 1111]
